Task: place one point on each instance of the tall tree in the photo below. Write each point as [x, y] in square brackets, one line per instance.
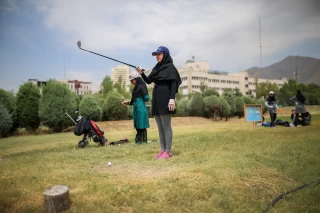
[55, 98]
[263, 89]
[28, 98]
[106, 85]
[212, 106]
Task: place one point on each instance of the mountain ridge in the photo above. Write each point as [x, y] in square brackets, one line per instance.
[301, 68]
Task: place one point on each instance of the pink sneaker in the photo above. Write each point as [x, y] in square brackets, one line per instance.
[165, 155]
[159, 155]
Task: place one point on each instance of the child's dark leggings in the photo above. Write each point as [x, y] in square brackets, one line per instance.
[139, 136]
[273, 117]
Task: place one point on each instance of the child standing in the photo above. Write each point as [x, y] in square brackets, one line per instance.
[272, 106]
[139, 111]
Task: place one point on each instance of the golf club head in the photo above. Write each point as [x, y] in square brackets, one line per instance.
[79, 44]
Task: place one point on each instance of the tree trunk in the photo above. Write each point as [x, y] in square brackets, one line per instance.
[56, 199]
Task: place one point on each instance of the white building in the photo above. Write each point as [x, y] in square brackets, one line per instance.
[79, 87]
[122, 72]
[196, 72]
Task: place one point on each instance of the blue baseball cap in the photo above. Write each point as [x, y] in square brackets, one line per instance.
[160, 50]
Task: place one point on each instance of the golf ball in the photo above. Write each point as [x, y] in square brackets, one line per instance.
[109, 164]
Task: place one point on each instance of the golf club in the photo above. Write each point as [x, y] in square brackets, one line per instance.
[130, 65]
[69, 116]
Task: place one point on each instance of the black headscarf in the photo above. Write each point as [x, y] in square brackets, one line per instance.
[140, 89]
[165, 70]
[300, 97]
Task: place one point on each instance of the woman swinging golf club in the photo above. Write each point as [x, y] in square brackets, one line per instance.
[167, 80]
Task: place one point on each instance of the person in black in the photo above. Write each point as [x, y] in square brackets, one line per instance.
[167, 80]
[299, 100]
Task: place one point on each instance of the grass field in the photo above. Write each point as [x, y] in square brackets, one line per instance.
[217, 167]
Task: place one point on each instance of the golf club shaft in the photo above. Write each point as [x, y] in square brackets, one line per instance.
[71, 118]
[130, 65]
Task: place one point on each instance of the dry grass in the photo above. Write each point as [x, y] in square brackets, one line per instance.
[217, 167]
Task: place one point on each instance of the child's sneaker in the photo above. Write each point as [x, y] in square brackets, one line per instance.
[159, 155]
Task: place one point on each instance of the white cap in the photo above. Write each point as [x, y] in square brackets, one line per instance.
[271, 92]
[134, 75]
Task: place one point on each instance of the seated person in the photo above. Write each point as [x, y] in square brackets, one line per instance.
[307, 119]
[295, 118]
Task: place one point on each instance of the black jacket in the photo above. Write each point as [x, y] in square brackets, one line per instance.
[167, 81]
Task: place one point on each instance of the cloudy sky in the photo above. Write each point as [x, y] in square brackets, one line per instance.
[38, 38]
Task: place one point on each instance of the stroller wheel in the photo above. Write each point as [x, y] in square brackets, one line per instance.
[82, 143]
[103, 141]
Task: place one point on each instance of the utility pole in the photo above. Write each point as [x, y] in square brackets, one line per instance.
[258, 75]
[64, 67]
[260, 47]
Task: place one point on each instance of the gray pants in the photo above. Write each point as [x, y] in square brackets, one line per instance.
[165, 131]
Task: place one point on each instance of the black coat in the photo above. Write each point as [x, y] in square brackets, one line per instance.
[167, 81]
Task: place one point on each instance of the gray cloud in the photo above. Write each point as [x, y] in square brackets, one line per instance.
[225, 33]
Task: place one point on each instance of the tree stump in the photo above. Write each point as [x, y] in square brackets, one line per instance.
[56, 199]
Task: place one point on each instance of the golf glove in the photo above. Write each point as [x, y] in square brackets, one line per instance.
[171, 105]
[139, 70]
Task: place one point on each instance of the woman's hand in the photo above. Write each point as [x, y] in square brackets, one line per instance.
[139, 70]
[171, 105]
[125, 102]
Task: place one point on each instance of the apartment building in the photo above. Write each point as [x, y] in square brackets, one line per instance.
[79, 87]
[122, 72]
[196, 72]
[76, 86]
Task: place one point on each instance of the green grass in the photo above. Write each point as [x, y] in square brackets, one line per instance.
[217, 167]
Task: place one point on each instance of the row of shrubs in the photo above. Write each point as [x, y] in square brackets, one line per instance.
[32, 107]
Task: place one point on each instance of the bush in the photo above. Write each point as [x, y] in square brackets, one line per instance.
[212, 106]
[28, 98]
[230, 98]
[6, 121]
[195, 105]
[247, 100]
[90, 107]
[8, 100]
[55, 98]
[226, 109]
[181, 108]
[113, 110]
[239, 107]
[262, 102]
[209, 92]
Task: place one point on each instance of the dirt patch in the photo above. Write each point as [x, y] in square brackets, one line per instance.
[132, 171]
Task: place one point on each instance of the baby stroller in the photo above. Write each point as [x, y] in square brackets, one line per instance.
[89, 130]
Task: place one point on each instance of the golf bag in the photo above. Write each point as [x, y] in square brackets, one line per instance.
[89, 129]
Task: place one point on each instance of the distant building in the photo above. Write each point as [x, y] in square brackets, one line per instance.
[79, 87]
[95, 88]
[39, 84]
[76, 86]
[121, 72]
[196, 72]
